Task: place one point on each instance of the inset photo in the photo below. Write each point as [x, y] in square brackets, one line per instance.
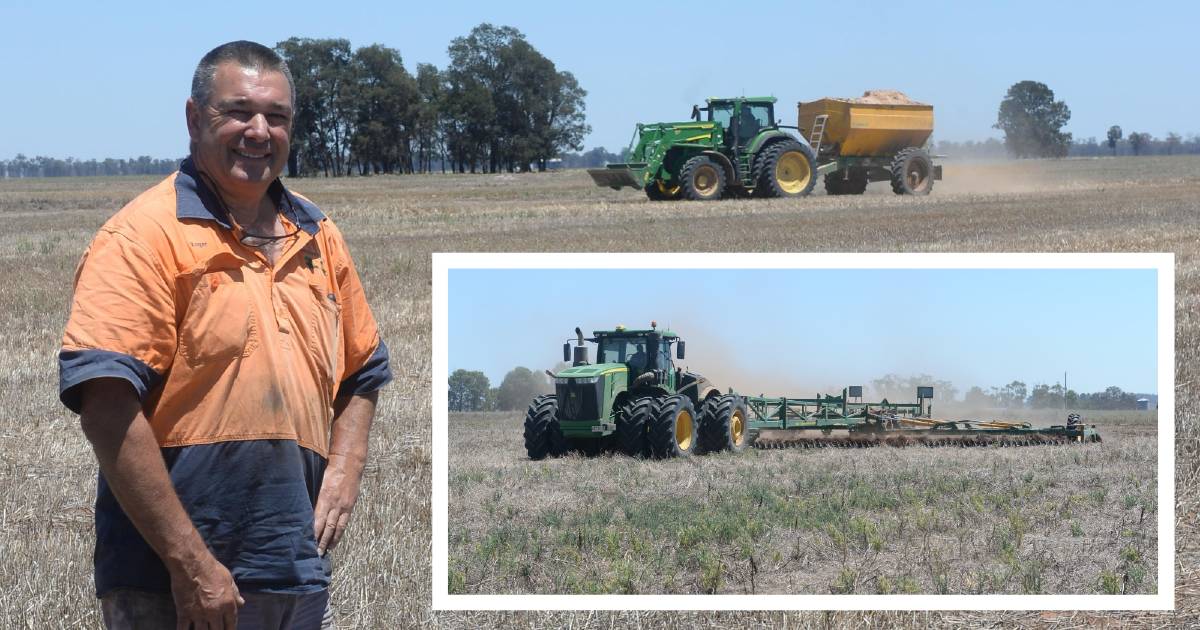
[859, 431]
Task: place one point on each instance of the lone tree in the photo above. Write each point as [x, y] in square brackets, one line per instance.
[1032, 121]
[1114, 134]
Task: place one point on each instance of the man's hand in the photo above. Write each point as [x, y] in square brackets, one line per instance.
[347, 456]
[205, 596]
[132, 464]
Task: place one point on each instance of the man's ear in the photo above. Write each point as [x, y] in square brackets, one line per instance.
[192, 113]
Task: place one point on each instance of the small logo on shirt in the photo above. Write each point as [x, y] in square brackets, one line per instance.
[198, 244]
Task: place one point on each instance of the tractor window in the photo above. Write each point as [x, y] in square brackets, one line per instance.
[632, 351]
[753, 118]
[721, 113]
[664, 356]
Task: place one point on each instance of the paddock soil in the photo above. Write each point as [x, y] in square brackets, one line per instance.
[394, 223]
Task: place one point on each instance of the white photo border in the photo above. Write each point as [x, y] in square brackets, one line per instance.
[1163, 263]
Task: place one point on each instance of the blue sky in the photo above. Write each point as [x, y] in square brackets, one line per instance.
[93, 80]
[800, 331]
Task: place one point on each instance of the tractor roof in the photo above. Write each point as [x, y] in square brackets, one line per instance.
[625, 332]
[749, 99]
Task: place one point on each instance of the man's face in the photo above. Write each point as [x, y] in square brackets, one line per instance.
[241, 136]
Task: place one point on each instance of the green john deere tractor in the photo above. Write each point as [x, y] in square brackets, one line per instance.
[634, 400]
[738, 149]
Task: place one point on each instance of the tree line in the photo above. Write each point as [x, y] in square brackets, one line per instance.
[42, 166]
[470, 390]
[500, 105]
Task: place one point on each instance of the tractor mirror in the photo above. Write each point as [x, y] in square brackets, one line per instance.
[566, 353]
[679, 351]
[696, 112]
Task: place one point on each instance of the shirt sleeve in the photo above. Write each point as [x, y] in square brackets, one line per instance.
[365, 360]
[122, 322]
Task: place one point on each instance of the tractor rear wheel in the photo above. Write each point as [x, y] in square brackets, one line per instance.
[701, 179]
[658, 190]
[912, 172]
[786, 169]
[673, 428]
[723, 424]
[632, 421]
[543, 435]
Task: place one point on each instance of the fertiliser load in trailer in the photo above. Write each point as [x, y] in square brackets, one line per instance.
[736, 147]
[633, 399]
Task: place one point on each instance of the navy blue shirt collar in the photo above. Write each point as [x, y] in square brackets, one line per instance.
[195, 200]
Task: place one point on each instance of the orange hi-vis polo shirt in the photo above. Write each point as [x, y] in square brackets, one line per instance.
[223, 349]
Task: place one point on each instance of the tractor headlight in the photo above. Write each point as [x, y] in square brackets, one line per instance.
[558, 380]
[590, 380]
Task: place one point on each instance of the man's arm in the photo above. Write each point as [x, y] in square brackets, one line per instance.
[347, 456]
[111, 418]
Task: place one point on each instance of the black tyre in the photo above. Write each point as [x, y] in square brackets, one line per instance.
[835, 183]
[701, 179]
[912, 172]
[543, 435]
[786, 169]
[673, 428]
[632, 423]
[657, 190]
[724, 425]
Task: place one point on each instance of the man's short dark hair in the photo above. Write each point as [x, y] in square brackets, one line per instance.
[247, 55]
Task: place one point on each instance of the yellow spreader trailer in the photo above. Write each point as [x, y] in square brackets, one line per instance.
[874, 138]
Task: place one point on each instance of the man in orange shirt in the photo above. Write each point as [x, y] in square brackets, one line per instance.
[225, 366]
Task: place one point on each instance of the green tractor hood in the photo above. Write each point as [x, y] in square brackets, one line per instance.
[587, 371]
[650, 146]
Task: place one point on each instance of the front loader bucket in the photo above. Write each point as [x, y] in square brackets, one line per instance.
[617, 176]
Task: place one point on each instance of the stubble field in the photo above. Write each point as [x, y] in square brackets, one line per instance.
[393, 224]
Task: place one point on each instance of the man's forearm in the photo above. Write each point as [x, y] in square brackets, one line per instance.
[130, 460]
[343, 473]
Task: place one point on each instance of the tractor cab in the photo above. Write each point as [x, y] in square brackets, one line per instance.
[741, 118]
[644, 352]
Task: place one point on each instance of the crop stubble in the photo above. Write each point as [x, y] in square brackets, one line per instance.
[393, 224]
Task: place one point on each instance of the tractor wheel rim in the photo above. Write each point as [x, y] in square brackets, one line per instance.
[667, 190]
[706, 180]
[792, 172]
[683, 430]
[737, 428]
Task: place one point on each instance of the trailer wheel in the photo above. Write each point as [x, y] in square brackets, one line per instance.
[786, 169]
[632, 420]
[657, 190]
[543, 435]
[673, 428]
[835, 183]
[724, 424]
[701, 179]
[912, 172]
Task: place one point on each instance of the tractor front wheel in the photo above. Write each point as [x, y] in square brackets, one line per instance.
[723, 425]
[673, 429]
[786, 169]
[701, 179]
[543, 435]
[632, 421]
[912, 172]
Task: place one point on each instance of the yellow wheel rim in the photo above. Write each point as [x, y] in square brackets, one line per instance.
[705, 180]
[683, 430]
[737, 428]
[669, 191]
[792, 172]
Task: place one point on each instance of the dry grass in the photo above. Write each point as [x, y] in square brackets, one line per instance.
[393, 224]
